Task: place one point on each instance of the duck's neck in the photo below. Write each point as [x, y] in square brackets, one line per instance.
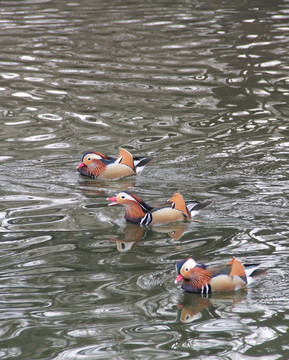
[96, 167]
[199, 277]
[134, 212]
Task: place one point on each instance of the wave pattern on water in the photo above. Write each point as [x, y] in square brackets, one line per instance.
[203, 89]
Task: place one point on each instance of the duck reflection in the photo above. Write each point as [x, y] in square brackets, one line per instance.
[134, 233]
[98, 187]
[175, 231]
[192, 304]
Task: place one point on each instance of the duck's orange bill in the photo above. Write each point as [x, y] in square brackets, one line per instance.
[82, 164]
[113, 199]
[179, 278]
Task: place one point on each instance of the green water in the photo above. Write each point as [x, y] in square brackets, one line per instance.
[200, 87]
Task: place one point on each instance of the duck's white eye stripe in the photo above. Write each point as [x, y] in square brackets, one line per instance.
[127, 196]
[189, 264]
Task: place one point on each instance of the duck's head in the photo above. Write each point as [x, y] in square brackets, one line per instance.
[184, 269]
[89, 157]
[124, 197]
[129, 200]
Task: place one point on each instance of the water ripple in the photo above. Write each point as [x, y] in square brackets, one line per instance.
[201, 88]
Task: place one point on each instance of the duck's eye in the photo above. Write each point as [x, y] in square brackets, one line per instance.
[122, 197]
[89, 158]
[187, 317]
[186, 269]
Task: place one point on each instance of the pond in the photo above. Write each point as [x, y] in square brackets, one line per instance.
[202, 88]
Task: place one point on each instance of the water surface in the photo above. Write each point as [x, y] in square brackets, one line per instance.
[201, 87]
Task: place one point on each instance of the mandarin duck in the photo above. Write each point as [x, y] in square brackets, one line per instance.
[102, 167]
[139, 212]
[198, 278]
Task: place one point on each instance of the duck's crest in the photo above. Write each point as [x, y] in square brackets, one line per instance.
[101, 156]
[180, 264]
[146, 207]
